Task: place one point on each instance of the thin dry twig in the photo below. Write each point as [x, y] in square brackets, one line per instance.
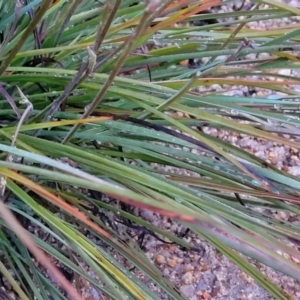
[103, 29]
[25, 115]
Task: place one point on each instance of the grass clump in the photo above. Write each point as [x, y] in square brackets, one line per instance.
[94, 95]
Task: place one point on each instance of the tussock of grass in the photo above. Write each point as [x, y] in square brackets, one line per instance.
[84, 90]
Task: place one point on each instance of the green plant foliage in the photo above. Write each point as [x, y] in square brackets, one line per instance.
[90, 93]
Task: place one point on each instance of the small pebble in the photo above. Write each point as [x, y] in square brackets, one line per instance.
[187, 268]
[172, 263]
[206, 295]
[187, 278]
[187, 290]
[160, 259]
